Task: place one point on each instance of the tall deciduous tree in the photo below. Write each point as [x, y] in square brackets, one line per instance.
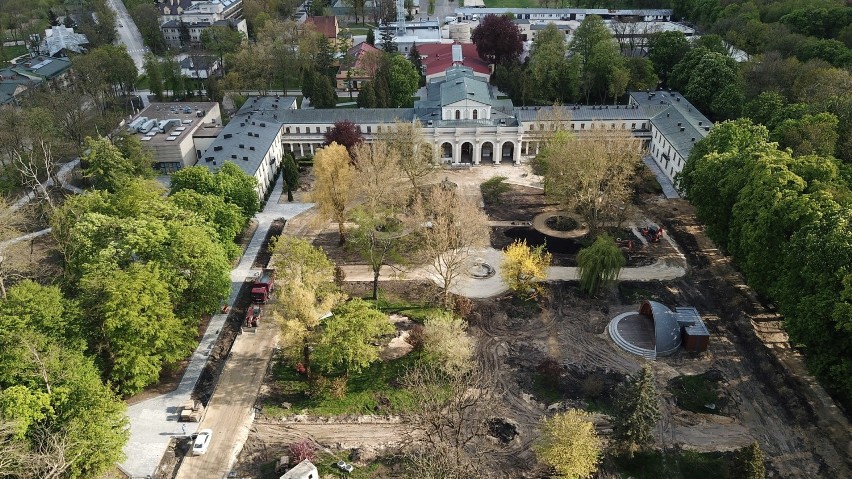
[378, 178]
[570, 445]
[591, 173]
[333, 188]
[599, 264]
[403, 79]
[414, 154]
[809, 135]
[665, 50]
[557, 79]
[589, 34]
[108, 168]
[345, 133]
[155, 76]
[637, 411]
[346, 337]
[380, 241]
[451, 227]
[498, 39]
[525, 267]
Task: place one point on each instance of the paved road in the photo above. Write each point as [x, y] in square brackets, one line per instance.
[154, 422]
[128, 34]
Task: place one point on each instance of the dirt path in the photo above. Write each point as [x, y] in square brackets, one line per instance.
[800, 429]
[231, 407]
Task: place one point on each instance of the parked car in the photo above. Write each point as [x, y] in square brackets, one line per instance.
[202, 442]
[347, 468]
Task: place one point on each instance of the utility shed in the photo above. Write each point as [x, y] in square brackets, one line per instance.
[303, 470]
[696, 337]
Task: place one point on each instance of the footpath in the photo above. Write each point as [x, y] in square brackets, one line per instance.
[154, 422]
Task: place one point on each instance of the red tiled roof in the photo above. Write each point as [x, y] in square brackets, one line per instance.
[358, 52]
[437, 57]
[325, 25]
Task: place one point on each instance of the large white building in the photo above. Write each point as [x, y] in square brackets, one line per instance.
[467, 123]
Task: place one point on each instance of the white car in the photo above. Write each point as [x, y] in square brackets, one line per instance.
[202, 442]
[347, 468]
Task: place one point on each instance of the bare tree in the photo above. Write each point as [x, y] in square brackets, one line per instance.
[52, 454]
[14, 456]
[451, 421]
[451, 227]
[415, 156]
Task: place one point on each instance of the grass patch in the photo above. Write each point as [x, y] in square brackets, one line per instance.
[632, 293]
[675, 465]
[14, 51]
[693, 393]
[544, 390]
[373, 390]
[416, 311]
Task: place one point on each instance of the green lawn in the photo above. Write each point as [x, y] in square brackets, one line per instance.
[373, 390]
[680, 465]
[418, 312]
[694, 392]
[10, 53]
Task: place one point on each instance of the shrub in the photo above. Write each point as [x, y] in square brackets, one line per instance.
[493, 189]
[301, 450]
[415, 337]
[445, 338]
[337, 387]
[550, 372]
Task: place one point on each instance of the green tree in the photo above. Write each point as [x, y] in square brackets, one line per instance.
[146, 18]
[637, 412]
[556, 77]
[749, 463]
[108, 168]
[599, 264]
[712, 81]
[809, 135]
[404, 80]
[371, 37]
[291, 174]
[230, 183]
[346, 337]
[591, 32]
[222, 40]
[388, 41]
[138, 330]
[29, 305]
[605, 74]
[323, 93]
[380, 241]
[226, 218]
[642, 76]
[524, 268]
[414, 58]
[570, 445]
[155, 76]
[366, 95]
[665, 50]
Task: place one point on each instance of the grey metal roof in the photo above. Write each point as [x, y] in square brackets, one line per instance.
[670, 122]
[564, 11]
[244, 141]
[465, 89]
[666, 329]
[62, 38]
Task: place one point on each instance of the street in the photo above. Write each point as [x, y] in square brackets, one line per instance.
[128, 34]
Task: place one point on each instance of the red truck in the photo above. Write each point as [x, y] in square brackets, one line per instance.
[263, 285]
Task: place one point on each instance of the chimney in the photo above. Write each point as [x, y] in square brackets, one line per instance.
[682, 129]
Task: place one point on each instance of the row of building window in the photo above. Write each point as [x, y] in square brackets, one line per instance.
[583, 126]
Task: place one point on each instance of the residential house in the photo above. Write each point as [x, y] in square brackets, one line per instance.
[359, 65]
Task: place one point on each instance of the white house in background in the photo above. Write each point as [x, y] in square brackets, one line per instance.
[467, 123]
[302, 470]
[252, 140]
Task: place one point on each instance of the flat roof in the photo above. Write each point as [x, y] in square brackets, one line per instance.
[186, 112]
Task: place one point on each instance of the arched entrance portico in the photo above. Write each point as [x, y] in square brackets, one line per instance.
[466, 152]
[508, 152]
[487, 152]
[446, 151]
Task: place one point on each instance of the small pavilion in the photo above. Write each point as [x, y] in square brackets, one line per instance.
[656, 330]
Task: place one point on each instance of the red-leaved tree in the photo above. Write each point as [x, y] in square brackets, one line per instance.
[345, 133]
[498, 39]
[301, 450]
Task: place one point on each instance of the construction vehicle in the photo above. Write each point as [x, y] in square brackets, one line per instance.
[252, 316]
[652, 234]
[263, 285]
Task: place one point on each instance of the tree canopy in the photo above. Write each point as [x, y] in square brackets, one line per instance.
[599, 264]
[497, 39]
[347, 337]
[569, 444]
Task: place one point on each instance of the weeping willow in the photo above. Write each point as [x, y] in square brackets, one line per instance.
[599, 264]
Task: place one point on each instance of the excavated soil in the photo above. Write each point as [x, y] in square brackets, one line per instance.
[768, 395]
